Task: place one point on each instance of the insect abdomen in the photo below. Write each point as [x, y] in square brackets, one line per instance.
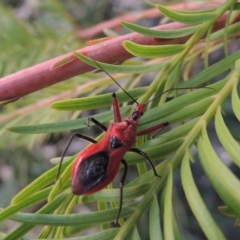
[90, 173]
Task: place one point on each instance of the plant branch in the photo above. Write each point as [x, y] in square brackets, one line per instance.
[66, 66]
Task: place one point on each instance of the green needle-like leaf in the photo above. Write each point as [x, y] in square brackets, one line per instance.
[137, 69]
[152, 51]
[232, 29]
[112, 195]
[187, 17]
[222, 179]
[236, 102]
[35, 198]
[227, 211]
[213, 71]
[196, 203]
[48, 209]
[134, 234]
[226, 138]
[103, 235]
[43, 181]
[96, 102]
[176, 33]
[168, 209]
[73, 219]
[66, 125]
[154, 223]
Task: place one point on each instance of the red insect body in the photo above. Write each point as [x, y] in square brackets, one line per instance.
[125, 132]
[98, 164]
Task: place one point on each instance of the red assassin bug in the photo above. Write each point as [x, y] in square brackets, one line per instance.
[98, 164]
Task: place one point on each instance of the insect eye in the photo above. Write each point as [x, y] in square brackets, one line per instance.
[134, 115]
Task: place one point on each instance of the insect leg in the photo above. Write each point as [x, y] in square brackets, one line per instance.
[75, 135]
[159, 131]
[157, 128]
[96, 122]
[116, 110]
[121, 190]
[138, 151]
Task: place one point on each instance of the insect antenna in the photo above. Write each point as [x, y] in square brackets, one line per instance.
[171, 89]
[116, 82]
[159, 95]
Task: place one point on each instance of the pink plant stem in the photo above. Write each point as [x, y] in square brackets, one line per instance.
[44, 74]
[51, 72]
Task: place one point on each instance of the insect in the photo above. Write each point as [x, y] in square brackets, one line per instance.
[97, 165]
